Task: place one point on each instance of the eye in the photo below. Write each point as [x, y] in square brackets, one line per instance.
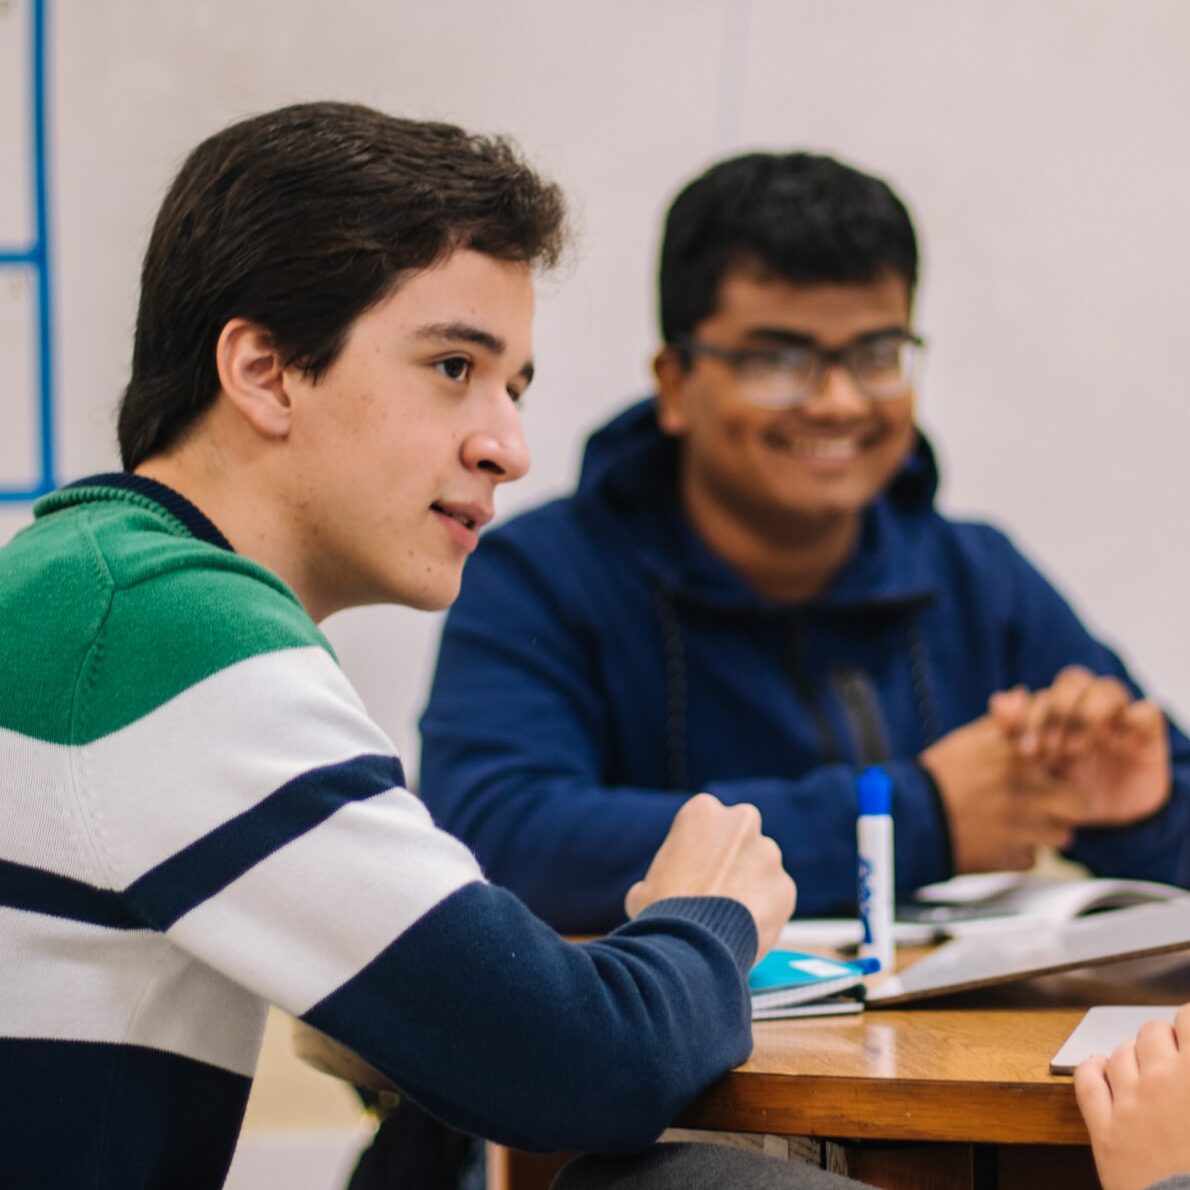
[879, 355]
[517, 394]
[455, 367]
[797, 362]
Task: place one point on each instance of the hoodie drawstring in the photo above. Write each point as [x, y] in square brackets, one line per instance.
[676, 751]
[676, 759]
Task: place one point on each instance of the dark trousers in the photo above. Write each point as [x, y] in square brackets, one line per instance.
[413, 1151]
[696, 1167]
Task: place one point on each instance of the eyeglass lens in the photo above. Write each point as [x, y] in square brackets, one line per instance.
[881, 368]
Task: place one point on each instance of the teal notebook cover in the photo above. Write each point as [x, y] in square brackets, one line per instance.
[786, 978]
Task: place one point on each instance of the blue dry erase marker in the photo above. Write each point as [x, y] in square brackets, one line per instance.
[874, 834]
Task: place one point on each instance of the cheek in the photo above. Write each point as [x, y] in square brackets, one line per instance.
[896, 446]
[900, 432]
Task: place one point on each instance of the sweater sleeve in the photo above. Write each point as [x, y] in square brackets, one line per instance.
[256, 819]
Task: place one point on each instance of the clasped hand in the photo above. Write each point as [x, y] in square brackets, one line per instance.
[1040, 764]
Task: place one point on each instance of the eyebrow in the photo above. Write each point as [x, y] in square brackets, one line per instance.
[781, 336]
[464, 332]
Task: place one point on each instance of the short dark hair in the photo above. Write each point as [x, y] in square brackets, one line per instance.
[805, 218]
[300, 220]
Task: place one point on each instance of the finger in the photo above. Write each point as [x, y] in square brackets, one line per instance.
[1064, 711]
[704, 816]
[770, 852]
[633, 899]
[1155, 1043]
[1008, 708]
[1092, 1092]
[1100, 710]
[745, 823]
[698, 805]
[1122, 1069]
[1042, 711]
[1017, 857]
[1142, 721]
[1091, 722]
[1181, 1030]
[1051, 802]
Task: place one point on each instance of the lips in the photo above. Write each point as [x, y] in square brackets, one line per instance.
[472, 516]
[463, 519]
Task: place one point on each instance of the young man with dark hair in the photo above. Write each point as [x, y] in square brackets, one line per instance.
[752, 593]
[199, 817]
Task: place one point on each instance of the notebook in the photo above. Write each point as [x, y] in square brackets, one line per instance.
[793, 983]
[1012, 954]
[1104, 1028]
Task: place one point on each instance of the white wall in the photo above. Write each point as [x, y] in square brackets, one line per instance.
[1039, 143]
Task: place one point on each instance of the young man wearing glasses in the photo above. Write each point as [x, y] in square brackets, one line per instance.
[752, 593]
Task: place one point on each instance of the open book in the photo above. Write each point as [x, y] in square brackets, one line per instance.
[792, 983]
[986, 901]
[992, 900]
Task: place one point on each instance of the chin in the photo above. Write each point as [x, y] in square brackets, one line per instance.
[434, 599]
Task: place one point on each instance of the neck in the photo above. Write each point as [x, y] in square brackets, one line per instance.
[786, 559]
[256, 527]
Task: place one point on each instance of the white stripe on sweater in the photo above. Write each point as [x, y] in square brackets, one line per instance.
[64, 980]
[310, 916]
[41, 829]
[214, 751]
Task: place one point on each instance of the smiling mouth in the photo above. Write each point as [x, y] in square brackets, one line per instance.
[464, 520]
[827, 449]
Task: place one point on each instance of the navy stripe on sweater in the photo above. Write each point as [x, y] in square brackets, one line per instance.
[195, 520]
[199, 871]
[100, 1117]
[37, 891]
[581, 1047]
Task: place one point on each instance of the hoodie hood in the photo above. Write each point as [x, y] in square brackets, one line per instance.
[629, 481]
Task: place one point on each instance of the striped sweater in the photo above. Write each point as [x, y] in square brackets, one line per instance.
[198, 818]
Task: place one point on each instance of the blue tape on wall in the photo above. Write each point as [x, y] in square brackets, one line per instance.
[37, 257]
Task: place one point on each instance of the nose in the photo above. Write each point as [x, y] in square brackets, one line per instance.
[837, 395]
[497, 447]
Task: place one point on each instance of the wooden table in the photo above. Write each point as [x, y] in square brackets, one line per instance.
[953, 1093]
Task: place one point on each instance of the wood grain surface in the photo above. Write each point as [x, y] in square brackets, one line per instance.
[969, 1068]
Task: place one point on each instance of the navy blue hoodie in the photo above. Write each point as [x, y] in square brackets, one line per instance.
[602, 663]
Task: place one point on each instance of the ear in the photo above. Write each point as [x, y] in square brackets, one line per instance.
[672, 375]
[252, 377]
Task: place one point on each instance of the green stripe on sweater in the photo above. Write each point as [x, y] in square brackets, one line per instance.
[110, 608]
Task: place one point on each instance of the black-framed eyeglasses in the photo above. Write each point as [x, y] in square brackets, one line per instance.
[882, 366]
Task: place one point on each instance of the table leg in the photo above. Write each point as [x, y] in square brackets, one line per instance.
[913, 1166]
[964, 1166]
[512, 1169]
[1042, 1167]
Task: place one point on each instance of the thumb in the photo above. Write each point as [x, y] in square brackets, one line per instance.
[1093, 1092]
